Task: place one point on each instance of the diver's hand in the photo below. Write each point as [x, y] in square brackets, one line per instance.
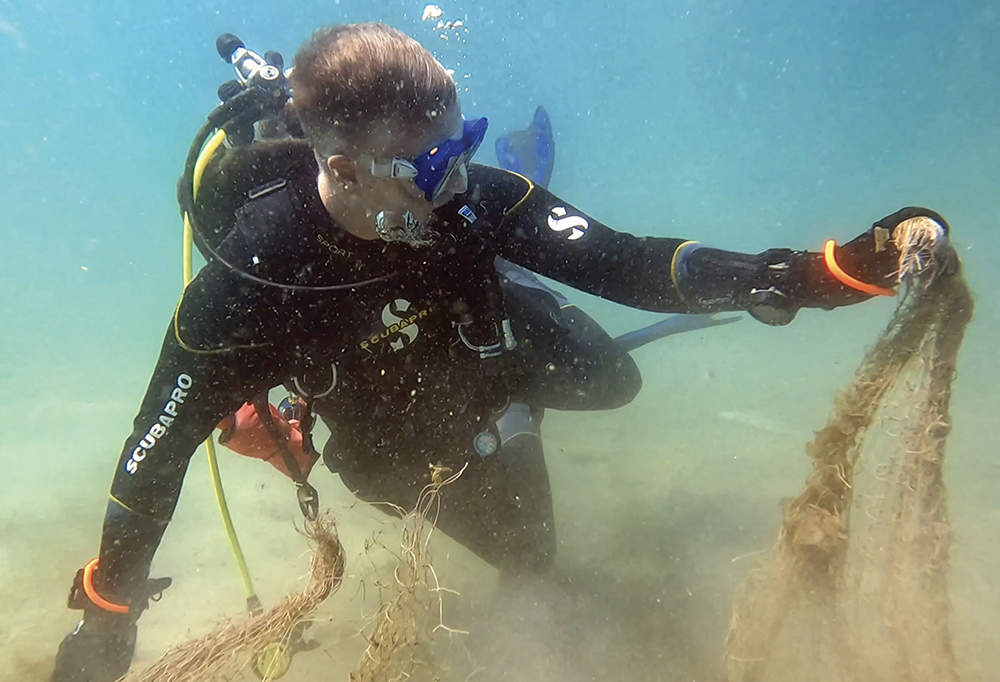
[892, 221]
[100, 649]
[873, 257]
[101, 646]
[866, 266]
[775, 284]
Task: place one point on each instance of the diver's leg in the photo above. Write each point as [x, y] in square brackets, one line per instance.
[501, 506]
[564, 359]
[526, 520]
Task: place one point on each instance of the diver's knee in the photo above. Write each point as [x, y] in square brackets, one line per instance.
[625, 381]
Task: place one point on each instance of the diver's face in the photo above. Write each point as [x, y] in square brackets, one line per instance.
[355, 197]
[388, 145]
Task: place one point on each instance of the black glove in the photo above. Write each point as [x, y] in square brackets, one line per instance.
[98, 650]
[892, 221]
[773, 285]
[872, 257]
[864, 267]
[101, 646]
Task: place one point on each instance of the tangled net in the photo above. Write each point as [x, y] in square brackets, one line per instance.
[399, 633]
[865, 598]
[231, 648]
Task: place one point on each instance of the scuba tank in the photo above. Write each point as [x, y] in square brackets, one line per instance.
[253, 105]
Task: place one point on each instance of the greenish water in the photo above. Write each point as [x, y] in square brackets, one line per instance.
[743, 125]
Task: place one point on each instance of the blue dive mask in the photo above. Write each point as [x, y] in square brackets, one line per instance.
[432, 170]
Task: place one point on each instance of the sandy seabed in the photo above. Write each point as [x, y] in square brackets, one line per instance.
[662, 509]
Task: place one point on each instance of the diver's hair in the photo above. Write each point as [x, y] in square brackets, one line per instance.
[352, 80]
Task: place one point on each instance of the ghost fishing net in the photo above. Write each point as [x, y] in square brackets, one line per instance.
[222, 654]
[856, 589]
[400, 633]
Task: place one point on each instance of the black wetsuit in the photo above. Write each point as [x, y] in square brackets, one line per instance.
[409, 388]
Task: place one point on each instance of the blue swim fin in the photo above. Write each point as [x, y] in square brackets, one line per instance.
[530, 152]
[675, 324]
[668, 326]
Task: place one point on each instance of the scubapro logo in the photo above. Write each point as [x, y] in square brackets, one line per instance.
[400, 326]
[159, 428]
[560, 222]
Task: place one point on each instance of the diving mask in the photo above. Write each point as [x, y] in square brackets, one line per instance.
[433, 170]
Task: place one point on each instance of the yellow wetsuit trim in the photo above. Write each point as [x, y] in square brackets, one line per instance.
[130, 510]
[187, 268]
[200, 351]
[531, 188]
[673, 268]
[124, 506]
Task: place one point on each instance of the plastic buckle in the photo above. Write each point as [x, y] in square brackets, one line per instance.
[77, 599]
[309, 395]
[505, 341]
[308, 500]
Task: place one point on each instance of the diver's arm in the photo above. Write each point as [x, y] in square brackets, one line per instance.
[545, 234]
[215, 356]
[197, 381]
[189, 393]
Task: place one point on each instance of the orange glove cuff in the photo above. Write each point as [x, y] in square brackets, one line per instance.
[847, 280]
[91, 592]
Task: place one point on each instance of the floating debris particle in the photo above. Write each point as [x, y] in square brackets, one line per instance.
[431, 12]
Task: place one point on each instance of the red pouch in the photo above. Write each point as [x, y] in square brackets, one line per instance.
[244, 434]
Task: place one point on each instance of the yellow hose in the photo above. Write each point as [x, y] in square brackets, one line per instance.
[253, 602]
[203, 158]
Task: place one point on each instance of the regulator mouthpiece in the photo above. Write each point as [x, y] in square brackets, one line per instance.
[393, 226]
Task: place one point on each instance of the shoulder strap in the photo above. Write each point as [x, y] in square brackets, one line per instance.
[236, 176]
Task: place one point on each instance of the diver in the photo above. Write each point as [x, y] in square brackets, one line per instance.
[359, 261]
